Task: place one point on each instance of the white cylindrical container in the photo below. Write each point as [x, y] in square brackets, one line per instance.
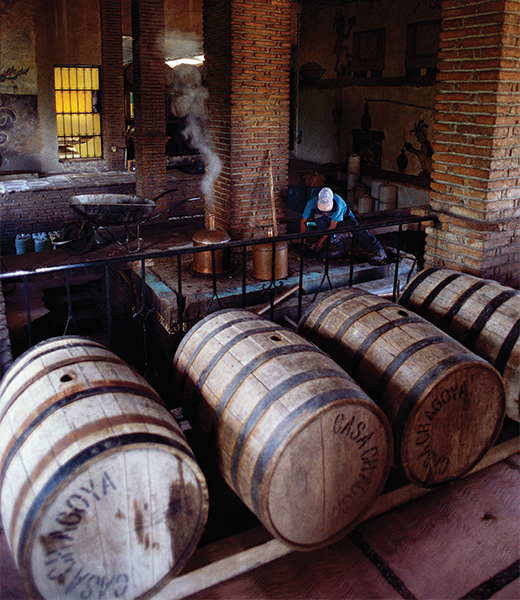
[354, 163]
[387, 197]
[353, 180]
[374, 189]
[362, 190]
[365, 204]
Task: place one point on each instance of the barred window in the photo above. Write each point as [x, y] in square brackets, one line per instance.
[77, 112]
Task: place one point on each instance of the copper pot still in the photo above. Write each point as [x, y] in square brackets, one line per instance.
[202, 262]
[263, 260]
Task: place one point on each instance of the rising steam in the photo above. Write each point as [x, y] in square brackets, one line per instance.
[187, 100]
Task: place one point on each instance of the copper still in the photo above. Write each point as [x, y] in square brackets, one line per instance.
[202, 261]
[263, 261]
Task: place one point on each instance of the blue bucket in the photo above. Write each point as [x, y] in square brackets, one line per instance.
[41, 242]
[24, 243]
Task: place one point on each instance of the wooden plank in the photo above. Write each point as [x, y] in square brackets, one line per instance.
[403, 494]
[243, 561]
[222, 570]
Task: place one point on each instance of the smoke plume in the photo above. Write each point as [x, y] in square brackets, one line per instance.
[187, 101]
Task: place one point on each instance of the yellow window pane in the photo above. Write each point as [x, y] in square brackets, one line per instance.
[88, 79]
[83, 101]
[74, 102]
[95, 79]
[75, 125]
[65, 79]
[73, 80]
[60, 125]
[97, 124]
[57, 78]
[82, 123]
[59, 102]
[98, 150]
[67, 125]
[90, 147]
[81, 79]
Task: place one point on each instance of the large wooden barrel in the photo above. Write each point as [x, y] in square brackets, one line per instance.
[100, 493]
[446, 404]
[297, 439]
[481, 314]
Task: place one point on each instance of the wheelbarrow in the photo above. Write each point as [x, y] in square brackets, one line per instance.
[105, 211]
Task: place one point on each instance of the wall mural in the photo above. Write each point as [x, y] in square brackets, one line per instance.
[342, 36]
[18, 124]
[12, 73]
[425, 151]
[368, 144]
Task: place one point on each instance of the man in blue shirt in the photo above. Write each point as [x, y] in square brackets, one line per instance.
[327, 209]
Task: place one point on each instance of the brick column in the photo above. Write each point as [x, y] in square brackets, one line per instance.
[112, 85]
[149, 97]
[248, 49]
[476, 167]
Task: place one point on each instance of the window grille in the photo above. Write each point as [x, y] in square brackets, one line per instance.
[77, 112]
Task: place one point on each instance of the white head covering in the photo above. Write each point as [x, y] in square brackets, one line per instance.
[325, 199]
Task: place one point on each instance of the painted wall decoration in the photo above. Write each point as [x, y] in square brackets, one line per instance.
[368, 144]
[380, 50]
[425, 151]
[340, 47]
[18, 73]
[12, 73]
[18, 127]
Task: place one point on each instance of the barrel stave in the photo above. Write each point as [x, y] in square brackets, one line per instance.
[100, 492]
[266, 390]
[482, 314]
[408, 366]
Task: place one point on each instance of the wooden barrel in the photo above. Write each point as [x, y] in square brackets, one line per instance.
[446, 404]
[99, 491]
[297, 439]
[481, 314]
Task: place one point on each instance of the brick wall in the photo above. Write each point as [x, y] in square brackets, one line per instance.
[247, 49]
[149, 90]
[476, 168]
[112, 114]
[49, 210]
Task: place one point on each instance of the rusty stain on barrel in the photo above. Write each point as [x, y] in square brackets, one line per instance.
[84, 446]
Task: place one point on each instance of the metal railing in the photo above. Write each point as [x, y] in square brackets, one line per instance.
[105, 268]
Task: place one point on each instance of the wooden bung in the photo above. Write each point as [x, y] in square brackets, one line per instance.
[481, 314]
[446, 404]
[100, 493]
[296, 438]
